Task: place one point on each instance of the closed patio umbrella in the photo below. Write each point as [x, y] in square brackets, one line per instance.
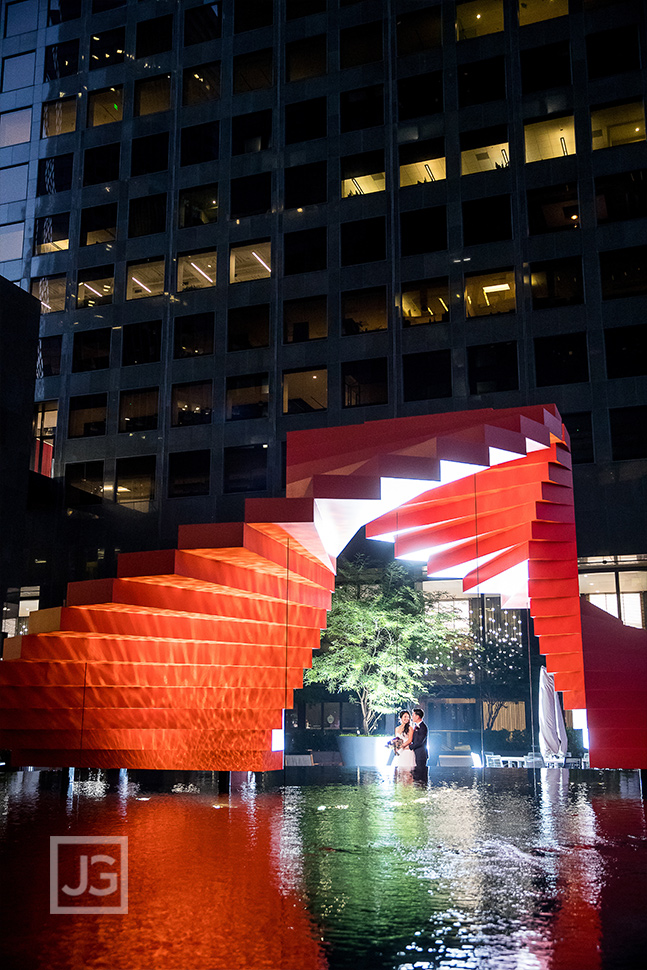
[552, 730]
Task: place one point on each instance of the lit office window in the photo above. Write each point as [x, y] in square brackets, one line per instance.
[247, 397]
[532, 11]
[95, 286]
[425, 301]
[305, 391]
[362, 174]
[549, 139]
[196, 271]
[422, 162]
[50, 291]
[484, 150]
[620, 124]
[58, 117]
[489, 293]
[251, 261]
[105, 106]
[478, 17]
[152, 94]
[52, 233]
[145, 279]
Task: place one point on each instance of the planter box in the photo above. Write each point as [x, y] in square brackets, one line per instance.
[359, 751]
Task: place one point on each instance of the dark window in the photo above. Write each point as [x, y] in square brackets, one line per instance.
[363, 311]
[418, 31]
[561, 359]
[361, 108]
[427, 375]
[305, 390]
[423, 231]
[557, 282]
[306, 185]
[48, 362]
[425, 301]
[202, 24]
[96, 286]
[305, 251]
[248, 327]
[188, 472]
[104, 107]
[360, 45]
[624, 272]
[198, 205]
[493, 367]
[544, 67]
[251, 195]
[55, 174]
[199, 143]
[101, 164]
[152, 94]
[201, 83]
[245, 468]
[613, 52]
[621, 196]
[91, 350]
[100, 6]
[135, 482]
[147, 215]
[61, 60]
[149, 154]
[247, 397]
[362, 174]
[554, 208]
[21, 17]
[154, 36]
[83, 483]
[52, 233]
[626, 351]
[107, 48]
[365, 382]
[60, 11]
[142, 343]
[363, 241]
[420, 95]
[191, 404]
[294, 9]
[138, 410]
[251, 132]
[580, 430]
[628, 438]
[87, 416]
[253, 72]
[98, 224]
[306, 120]
[305, 58]
[487, 220]
[305, 319]
[481, 81]
[193, 335]
[251, 14]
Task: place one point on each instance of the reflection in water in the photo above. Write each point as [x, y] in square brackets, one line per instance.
[335, 868]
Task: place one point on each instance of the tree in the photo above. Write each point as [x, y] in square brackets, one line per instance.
[501, 665]
[381, 634]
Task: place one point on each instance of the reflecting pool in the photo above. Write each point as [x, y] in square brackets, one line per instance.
[324, 868]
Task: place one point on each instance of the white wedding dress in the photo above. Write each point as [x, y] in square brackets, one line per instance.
[405, 757]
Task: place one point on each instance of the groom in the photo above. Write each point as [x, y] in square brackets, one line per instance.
[419, 744]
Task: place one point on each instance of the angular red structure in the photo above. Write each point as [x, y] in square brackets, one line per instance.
[153, 668]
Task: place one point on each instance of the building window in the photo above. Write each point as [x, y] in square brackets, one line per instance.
[250, 195]
[425, 301]
[200, 143]
[48, 358]
[626, 351]
[419, 31]
[198, 205]
[11, 241]
[87, 417]
[561, 359]
[580, 430]
[100, 6]
[620, 124]
[363, 311]
[489, 293]
[202, 24]
[305, 58]
[188, 473]
[363, 241]
[105, 107]
[251, 132]
[360, 45]
[51, 233]
[193, 335]
[145, 279]
[361, 108]
[149, 154]
[487, 220]
[13, 184]
[191, 404]
[427, 375]
[251, 15]
[44, 437]
[54, 175]
[624, 272]
[15, 127]
[251, 261]
[484, 150]
[306, 185]
[135, 482]
[18, 71]
[91, 350]
[553, 209]
[61, 60]
[152, 94]
[362, 174]
[305, 391]
[146, 215]
[621, 196]
[196, 270]
[628, 439]
[154, 36]
[57, 117]
[107, 48]
[247, 397]
[493, 367]
[305, 319]
[101, 164]
[549, 139]
[556, 282]
[253, 71]
[138, 410]
[306, 120]
[21, 17]
[365, 382]
[420, 95]
[83, 484]
[478, 17]
[50, 290]
[613, 52]
[141, 343]
[245, 468]
[481, 81]
[98, 224]
[248, 327]
[548, 66]
[422, 162]
[201, 83]
[294, 9]
[95, 286]
[423, 231]
[532, 11]
[305, 251]
[60, 11]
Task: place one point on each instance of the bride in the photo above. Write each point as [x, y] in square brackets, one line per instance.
[406, 757]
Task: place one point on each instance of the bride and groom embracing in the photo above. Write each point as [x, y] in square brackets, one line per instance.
[412, 749]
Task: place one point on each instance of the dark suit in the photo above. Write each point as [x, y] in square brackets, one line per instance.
[419, 744]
